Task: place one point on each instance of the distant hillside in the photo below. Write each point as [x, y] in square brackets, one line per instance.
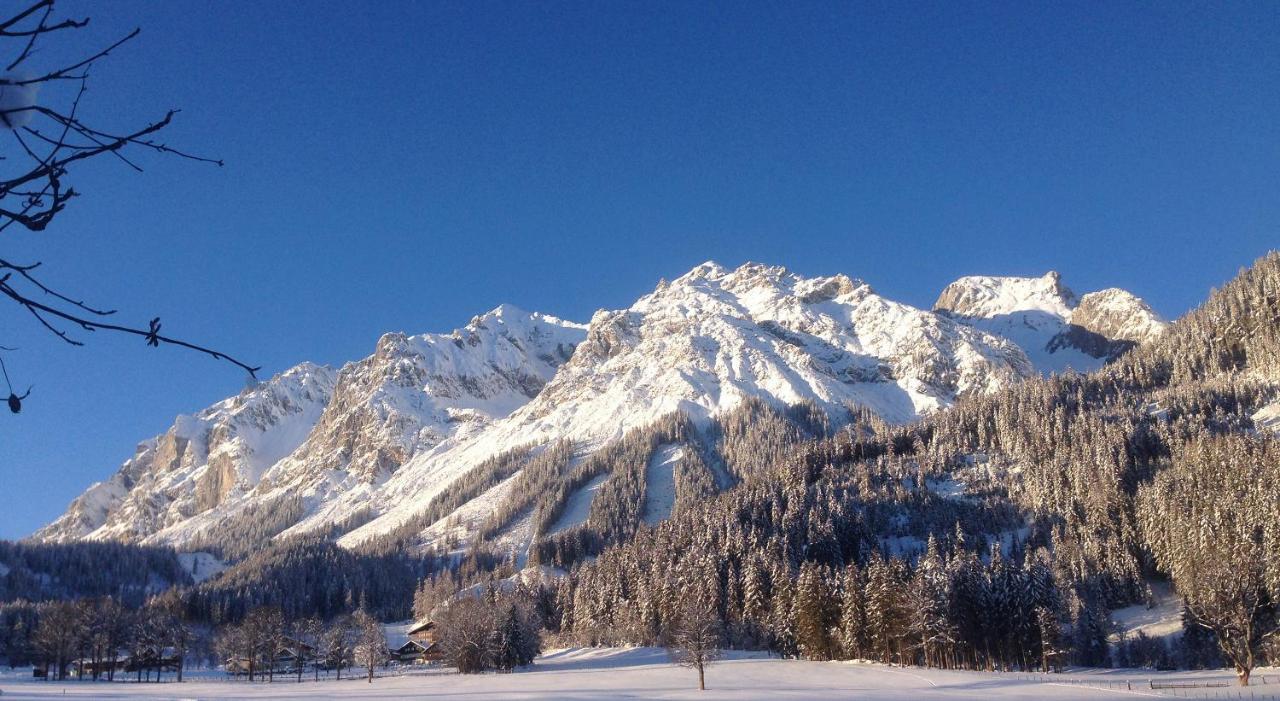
[41, 572]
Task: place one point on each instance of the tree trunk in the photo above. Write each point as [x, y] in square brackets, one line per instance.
[370, 671]
[1242, 673]
[702, 682]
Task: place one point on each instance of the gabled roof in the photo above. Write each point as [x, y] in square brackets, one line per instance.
[421, 627]
[293, 642]
[408, 647]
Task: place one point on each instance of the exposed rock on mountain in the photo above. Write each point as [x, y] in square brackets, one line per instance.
[200, 460]
[1058, 330]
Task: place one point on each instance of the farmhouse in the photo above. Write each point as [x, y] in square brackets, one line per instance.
[422, 645]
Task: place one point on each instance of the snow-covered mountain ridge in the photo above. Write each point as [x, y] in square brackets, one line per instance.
[368, 446]
[201, 460]
[339, 431]
[1058, 330]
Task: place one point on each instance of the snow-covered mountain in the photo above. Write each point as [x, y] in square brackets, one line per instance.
[705, 342]
[415, 391]
[1057, 329]
[367, 448]
[339, 432]
[202, 460]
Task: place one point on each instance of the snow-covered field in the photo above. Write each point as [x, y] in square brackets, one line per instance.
[645, 673]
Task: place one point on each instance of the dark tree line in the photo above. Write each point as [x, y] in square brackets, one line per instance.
[86, 638]
[305, 577]
[49, 571]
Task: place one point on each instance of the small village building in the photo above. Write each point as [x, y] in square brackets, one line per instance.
[425, 632]
[421, 647]
[288, 657]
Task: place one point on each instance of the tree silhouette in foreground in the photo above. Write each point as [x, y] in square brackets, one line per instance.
[50, 142]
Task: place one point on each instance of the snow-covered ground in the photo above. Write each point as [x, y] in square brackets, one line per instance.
[1268, 417]
[578, 506]
[660, 483]
[1162, 618]
[201, 566]
[645, 673]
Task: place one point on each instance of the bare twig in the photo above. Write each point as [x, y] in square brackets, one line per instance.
[151, 334]
[25, 271]
[66, 72]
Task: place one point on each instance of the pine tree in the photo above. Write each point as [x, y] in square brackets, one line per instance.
[514, 643]
[930, 626]
[853, 619]
[815, 614]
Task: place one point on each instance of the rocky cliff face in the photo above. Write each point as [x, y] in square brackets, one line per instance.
[201, 460]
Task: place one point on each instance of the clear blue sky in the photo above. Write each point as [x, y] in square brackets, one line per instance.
[406, 166]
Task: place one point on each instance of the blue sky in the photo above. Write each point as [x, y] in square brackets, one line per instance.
[406, 166]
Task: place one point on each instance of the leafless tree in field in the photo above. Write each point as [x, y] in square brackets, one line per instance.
[371, 650]
[695, 642]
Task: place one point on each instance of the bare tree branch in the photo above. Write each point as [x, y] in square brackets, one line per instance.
[50, 144]
[151, 334]
[65, 73]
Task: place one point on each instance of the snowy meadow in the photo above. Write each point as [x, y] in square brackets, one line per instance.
[646, 673]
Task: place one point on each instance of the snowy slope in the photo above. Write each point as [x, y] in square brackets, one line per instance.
[1160, 618]
[201, 566]
[1058, 330]
[1268, 417]
[660, 478]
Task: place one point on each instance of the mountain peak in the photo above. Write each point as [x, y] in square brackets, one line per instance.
[702, 271]
[1057, 329]
[1118, 314]
[989, 296]
[747, 272]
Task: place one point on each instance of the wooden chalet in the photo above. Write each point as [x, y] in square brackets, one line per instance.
[292, 652]
[421, 647]
[425, 632]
